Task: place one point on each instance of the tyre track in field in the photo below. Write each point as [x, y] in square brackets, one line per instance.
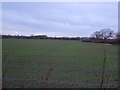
[24, 69]
[77, 83]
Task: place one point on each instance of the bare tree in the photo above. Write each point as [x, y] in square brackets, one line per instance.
[96, 35]
[103, 34]
[117, 35]
[106, 33]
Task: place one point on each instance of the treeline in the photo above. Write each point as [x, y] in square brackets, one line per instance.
[83, 39]
[38, 37]
[102, 36]
[24, 37]
[108, 41]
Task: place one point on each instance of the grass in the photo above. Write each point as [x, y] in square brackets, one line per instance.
[73, 62]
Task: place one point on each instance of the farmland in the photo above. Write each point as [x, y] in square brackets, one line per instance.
[69, 63]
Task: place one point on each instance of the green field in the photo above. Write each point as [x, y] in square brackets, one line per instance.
[73, 63]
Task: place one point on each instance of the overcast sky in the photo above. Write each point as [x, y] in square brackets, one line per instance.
[58, 19]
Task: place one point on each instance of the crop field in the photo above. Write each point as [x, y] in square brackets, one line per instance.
[35, 63]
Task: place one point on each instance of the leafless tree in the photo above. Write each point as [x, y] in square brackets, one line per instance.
[96, 35]
[106, 33]
[103, 34]
[117, 35]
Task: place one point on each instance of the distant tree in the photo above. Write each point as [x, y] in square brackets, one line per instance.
[96, 35]
[103, 34]
[117, 35]
[106, 33]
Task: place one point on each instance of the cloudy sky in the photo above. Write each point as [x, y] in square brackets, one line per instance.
[58, 18]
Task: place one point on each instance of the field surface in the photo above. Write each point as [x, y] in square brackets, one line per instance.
[37, 63]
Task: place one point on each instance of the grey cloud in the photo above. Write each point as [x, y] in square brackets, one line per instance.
[74, 19]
